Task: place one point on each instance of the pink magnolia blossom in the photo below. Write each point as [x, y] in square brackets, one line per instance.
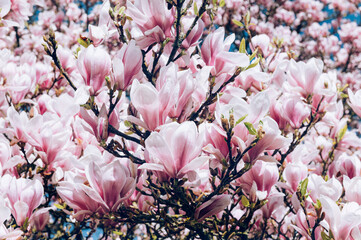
[5, 152]
[347, 165]
[24, 196]
[20, 124]
[153, 19]
[271, 140]
[94, 65]
[154, 106]
[341, 222]
[7, 233]
[252, 78]
[215, 53]
[113, 182]
[20, 84]
[304, 76]
[127, 65]
[273, 205]
[97, 34]
[301, 224]
[293, 174]
[295, 111]
[289, 111]
[195, 34]
[262, 41]
[355, 101]
[183, 84]
[109, 185]
[40, 218]
[83, 199]
[318, 187]
[352, 189]
[213, 206]
[5, 7]
[258, 181]
[67, 59]
[10, 233]
[214, 140]
[175, 150]
[99, 124]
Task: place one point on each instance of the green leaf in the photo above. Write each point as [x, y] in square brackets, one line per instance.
[238, 23]
[304, 184]
[248, 16]
[242, 46]
[118, 233]
[83, 42]
[26, 223]
[222, 3]
[250, 128]
[241, 119]
[121, 10]
[59, 206]
[343, 95]
[127, 124]
[253, 54]
[195, 9]
[244, 201]
[129, 35]
[255, 63]
[341, 133]
[324, 236]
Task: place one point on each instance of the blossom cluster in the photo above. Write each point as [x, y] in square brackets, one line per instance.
[180, 119]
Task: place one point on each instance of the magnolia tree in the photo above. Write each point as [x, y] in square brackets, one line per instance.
[180, 119]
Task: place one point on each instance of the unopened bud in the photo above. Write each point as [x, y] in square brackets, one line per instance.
[51, 33]
[231, 120]
[260, 132]
[111, 13]
[225, 124]
[213, 171]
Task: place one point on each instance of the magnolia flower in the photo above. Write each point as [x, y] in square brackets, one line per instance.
[153, 105]
[341, 222]
[259, 180]
[109, 186]
[318, 187]
[304, 76]
[293, 174]
[24, 196]
[153, 18]
[352, 189]
[99, 124]
[215, 52]
[213, 206]
[183, 84]
[94, 65]
[174, 151]
[5, 7]
[127, 65]
[354, 100]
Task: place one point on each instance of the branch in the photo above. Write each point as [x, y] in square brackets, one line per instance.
[112, 129]
[178, 39]
[50, 49]
[210, 98]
